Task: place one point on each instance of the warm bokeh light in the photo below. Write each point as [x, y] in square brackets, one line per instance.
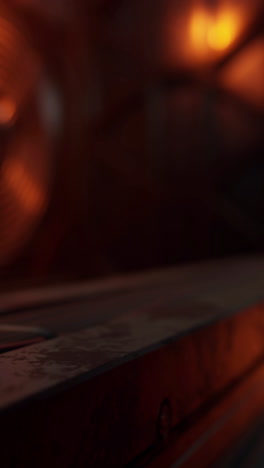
[7, 110]
[199, 27]
[223, 31]
[213, 32]
[26, 190]
[198, 33]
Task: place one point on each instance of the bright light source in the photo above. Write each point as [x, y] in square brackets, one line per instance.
[213, 32]
[199, 27]
[222, 32]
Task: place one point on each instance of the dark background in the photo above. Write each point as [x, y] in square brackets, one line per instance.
[159, 158]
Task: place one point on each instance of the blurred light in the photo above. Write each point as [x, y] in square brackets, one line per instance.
[213, 32]
[244, 76]
[19, 181]
[223, 32]
[199, 27]
[7, 110]
[19, 68]
[198, 33]
[25, 162]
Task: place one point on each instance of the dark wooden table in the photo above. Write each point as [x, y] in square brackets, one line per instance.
[160, 369]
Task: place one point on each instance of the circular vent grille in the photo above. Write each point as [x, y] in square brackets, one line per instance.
[25, 161]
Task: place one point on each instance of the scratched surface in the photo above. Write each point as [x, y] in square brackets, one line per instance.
[31, 370]
[93, 395]
[142, 312]
[95, 350]
[121, 372]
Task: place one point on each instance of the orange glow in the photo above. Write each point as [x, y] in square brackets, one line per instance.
[7, 110]
[244, 76]
[198, 34]
[23, 186]
[222, 33]
[199, 27]
[210, 32]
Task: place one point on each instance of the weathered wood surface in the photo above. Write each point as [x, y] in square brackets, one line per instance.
[93, 397]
